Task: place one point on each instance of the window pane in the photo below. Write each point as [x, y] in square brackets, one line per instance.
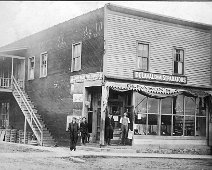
[189, 125]
[152, 124]
[201, 126]
[144, 63]
[201, 107]
[140, 124]
[78, 50]
[75, 51]
[166, 106]
[140, 103]
[74, 64]
[181, 55]
[152, 105]
[166, 125]
[175, 67]
[190, 105]
[140, 47]
[178, 125]
[31, 74]
[180, 68]
[145, 51]
[139, 62]
[140, 117]
[178, 102]
[78, 64]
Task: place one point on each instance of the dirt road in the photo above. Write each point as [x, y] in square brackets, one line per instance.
[13, 157]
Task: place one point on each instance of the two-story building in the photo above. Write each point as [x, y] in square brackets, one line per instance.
[113, 59]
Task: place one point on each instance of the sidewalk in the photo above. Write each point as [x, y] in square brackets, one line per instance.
[86, 151]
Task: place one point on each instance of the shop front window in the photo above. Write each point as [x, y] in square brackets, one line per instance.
[166, 116]
[201, 117]
[172, 116]
[153, 116]
[190, 107]
[141, 116]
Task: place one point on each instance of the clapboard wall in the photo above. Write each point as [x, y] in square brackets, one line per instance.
[123, 31]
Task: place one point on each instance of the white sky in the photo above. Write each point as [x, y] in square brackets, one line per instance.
[22, 18]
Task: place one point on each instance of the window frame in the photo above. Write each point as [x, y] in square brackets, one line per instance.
[41, 75]
[72, 63]
[148, 58]
[173, 60]
[29, 66]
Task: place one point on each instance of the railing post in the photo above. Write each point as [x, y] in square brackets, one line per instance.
[25, 123]
[12, 75]
[41, 136]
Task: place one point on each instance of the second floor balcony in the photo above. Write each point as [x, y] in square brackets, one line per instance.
[11, 65]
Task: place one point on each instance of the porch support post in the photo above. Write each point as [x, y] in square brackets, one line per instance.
[133, 103]
[12, 74]
[105, 95]
[25, 124]
[23, 74]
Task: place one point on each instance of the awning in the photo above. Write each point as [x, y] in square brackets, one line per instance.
[156, 92]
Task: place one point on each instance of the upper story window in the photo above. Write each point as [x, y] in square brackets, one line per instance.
[43, 64]
[31, 68]
[178, 61]
[76, 57]
[143, 56]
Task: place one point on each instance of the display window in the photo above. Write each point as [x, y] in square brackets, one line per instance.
[172, 116]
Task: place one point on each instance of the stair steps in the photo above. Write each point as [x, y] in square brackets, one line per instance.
[20, 96]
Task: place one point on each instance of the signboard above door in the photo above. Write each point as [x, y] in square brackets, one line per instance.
[160, 77]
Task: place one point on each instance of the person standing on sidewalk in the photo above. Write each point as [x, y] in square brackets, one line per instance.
[109, 126]
[84, 130]
[74, 132]
[124, 128]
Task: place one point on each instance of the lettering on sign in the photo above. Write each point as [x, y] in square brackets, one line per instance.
[86, 77]
[160, 77]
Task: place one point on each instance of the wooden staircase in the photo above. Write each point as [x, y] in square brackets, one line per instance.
[34, 119]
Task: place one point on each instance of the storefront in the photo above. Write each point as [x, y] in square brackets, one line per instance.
[159, 113]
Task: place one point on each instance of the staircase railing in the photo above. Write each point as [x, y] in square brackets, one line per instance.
[33, 117]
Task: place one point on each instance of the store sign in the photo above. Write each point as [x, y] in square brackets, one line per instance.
[77, 97]
[86, 77]
[160, 77]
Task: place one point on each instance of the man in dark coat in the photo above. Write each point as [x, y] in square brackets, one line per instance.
[109, 126]
[74, 132]
[84, 130]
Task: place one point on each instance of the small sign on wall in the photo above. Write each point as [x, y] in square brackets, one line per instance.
[116, 118]
[77, 97]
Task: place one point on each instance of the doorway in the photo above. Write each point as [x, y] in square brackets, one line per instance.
[4, 114]
[93, 100]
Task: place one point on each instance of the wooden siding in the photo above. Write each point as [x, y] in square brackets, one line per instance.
[124, 31]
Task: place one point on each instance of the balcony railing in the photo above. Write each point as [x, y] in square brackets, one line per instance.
[7, 82]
